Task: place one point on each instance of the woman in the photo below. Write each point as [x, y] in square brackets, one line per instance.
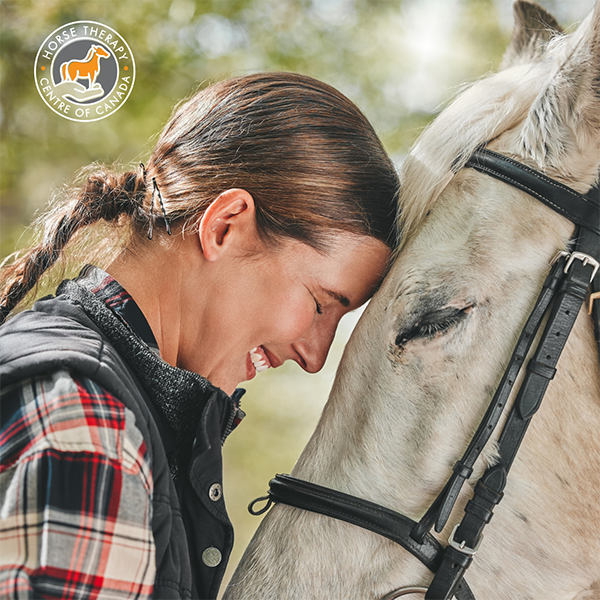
[265, 213]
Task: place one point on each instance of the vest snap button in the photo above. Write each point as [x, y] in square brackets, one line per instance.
[215, 492]
[211, 557]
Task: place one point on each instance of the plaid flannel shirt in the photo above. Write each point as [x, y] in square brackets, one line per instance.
[75, 484]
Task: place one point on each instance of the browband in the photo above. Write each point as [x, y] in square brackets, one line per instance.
[579, 209]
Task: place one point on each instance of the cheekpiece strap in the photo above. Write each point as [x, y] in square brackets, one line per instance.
[573, 276]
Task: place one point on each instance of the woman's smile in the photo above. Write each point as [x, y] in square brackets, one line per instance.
[259, 361]
[301, 296]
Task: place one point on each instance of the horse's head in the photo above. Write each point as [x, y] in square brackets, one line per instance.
[429, 351]
[100, 51]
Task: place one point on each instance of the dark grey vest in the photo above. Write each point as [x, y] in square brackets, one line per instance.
[182, 417]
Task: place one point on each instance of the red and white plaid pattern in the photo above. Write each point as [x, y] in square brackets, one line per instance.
[75, 494]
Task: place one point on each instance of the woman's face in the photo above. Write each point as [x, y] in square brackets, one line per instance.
[273, 305]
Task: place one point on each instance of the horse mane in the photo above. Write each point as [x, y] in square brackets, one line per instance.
[89, 55]
[490, 106]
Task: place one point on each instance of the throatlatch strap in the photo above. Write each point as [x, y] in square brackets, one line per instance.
[594, 250]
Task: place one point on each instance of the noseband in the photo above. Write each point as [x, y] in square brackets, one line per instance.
[572, 275]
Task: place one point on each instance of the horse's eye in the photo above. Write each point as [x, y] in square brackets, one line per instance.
[432, 324]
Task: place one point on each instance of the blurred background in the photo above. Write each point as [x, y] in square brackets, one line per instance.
[399, 60]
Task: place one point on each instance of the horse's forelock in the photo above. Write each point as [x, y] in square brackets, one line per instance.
[487, 108]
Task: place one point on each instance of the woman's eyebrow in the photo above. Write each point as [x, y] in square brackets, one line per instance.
[339, 297]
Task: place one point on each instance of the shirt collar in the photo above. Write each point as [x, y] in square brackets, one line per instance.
[113, 294]
[109, 291]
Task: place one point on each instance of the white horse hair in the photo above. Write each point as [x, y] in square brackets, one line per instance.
[401, 413]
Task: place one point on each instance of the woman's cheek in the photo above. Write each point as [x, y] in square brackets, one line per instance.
[295, 320]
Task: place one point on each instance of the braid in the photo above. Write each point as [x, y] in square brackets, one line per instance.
[104, 196]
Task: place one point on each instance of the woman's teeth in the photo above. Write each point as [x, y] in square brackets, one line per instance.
[259, 360]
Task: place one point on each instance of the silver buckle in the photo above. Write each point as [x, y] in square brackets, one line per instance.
[462, 547]
[586, 259]
[558, 256]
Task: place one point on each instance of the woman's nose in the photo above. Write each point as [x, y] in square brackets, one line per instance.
[314, 346]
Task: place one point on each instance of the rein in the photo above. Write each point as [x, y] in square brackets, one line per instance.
[565, 289]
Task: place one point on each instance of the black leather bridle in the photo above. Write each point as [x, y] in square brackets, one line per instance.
[573, 274]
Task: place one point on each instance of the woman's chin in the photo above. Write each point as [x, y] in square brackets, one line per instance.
[228, 382]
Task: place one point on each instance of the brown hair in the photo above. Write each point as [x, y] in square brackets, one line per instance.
[306, 154]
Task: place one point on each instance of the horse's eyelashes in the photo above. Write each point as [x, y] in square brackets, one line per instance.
[432, 324]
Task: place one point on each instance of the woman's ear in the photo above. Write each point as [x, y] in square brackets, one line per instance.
[229, 219]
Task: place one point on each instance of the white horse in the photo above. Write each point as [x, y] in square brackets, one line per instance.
[404, 407]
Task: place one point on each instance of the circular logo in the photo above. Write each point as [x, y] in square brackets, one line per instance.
[84, 71]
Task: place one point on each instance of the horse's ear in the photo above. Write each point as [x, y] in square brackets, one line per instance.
[534, 28]
[562, 129]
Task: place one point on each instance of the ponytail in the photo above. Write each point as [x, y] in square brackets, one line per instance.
[304, 152]
[105, 196]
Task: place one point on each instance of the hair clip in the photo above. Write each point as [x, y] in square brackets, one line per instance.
[156, 189]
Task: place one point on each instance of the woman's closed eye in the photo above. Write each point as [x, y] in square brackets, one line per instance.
[319, 307]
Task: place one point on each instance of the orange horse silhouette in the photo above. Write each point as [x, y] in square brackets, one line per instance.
[88, 68]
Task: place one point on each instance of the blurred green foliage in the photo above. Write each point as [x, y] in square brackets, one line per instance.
[178, 45]
[399, 60]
